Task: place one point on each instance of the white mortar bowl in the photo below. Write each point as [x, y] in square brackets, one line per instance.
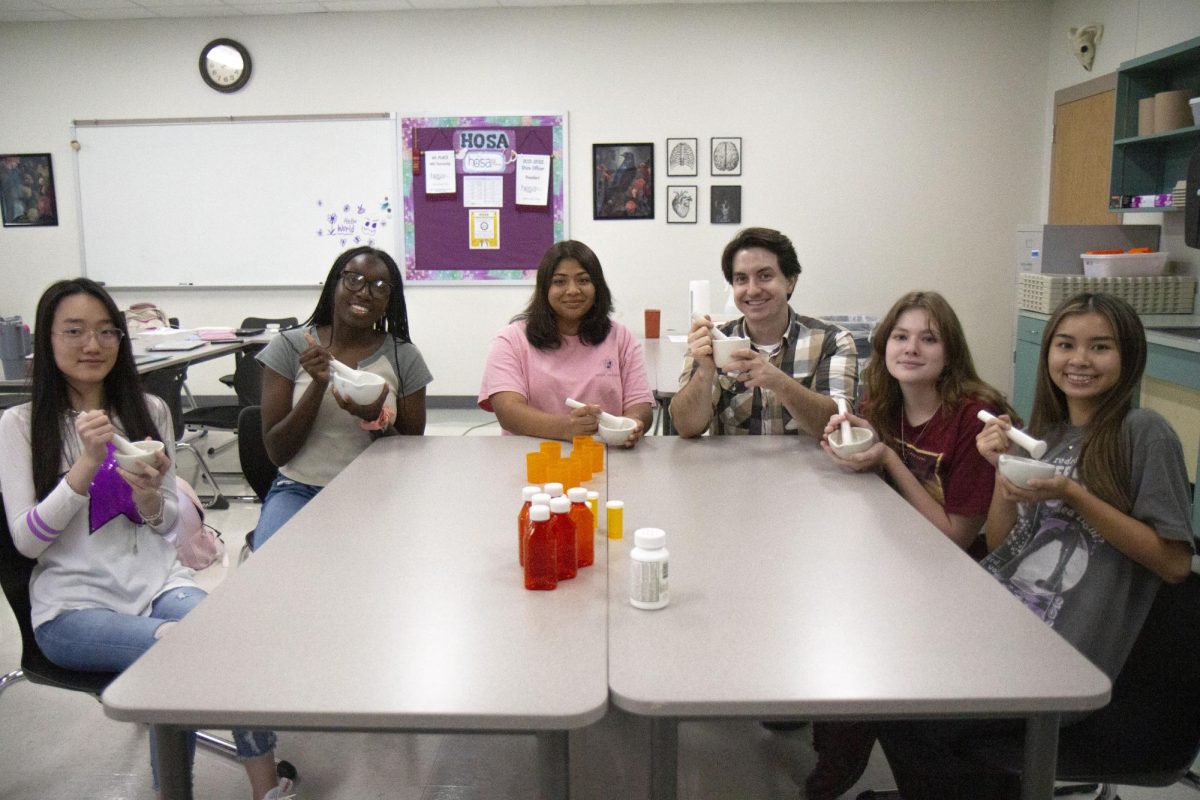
[1021, 470]
[363, 388]
[148, 449]
[723, 349]
[860, 440]
[617, 434]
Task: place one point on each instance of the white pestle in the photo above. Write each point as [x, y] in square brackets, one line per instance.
[125, 446]
[841, 404]
[341, 369]
[605, 417]
[1036, 447]
[716, 332]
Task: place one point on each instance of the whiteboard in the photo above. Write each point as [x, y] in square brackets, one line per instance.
[233, 202]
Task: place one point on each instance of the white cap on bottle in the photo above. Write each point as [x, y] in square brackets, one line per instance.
[540, 499]
[650, 538]
[554, 489]
[593, 494]
[528, 492]
[578, 495]
[560, 505]
[539, 513]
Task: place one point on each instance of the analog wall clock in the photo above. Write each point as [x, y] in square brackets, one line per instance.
[225, 65]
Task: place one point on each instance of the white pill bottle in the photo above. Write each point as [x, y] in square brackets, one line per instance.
[648, 587]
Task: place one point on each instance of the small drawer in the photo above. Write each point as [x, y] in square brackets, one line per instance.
[1029, 329]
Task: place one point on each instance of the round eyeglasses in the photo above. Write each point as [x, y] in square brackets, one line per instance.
[78, 337]
[354, 282]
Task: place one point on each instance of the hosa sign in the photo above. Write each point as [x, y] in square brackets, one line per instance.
[484, 152]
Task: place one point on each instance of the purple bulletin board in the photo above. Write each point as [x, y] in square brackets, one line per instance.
[437, 227]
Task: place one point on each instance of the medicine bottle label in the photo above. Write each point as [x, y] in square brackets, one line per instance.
[648, 586]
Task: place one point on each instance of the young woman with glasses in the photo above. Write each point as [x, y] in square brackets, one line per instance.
[311, 431]
[107, 584]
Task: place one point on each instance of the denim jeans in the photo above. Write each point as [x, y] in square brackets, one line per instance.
[285, 498]
[101, 640]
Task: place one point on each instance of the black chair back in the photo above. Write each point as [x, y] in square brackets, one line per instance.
[252, 452]
[1149, 734]
[167, 383]
[15, 572]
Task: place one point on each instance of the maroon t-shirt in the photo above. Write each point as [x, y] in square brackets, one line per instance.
[943, 457]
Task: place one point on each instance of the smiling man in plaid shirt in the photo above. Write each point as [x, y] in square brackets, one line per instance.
[784, 383]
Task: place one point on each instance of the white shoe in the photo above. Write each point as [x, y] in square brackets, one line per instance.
[281, 792]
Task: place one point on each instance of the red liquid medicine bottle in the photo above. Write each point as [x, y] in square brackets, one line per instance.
[564, 534]
[585, 527]
[541, 551]
[523, 520]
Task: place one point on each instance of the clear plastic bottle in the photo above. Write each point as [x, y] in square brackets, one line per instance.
[585, 527]
[563, 530]
[648, 587]
[523, 520]
[541, 550]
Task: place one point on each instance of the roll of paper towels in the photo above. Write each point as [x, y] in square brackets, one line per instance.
[701, 300]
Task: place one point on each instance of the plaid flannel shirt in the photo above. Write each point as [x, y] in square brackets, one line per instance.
[821, 356]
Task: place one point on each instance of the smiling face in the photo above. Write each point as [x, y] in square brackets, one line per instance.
[361, 307]
[86, 363]
[571, 295]
[915, 353]
[1084, 362]
[760, 292]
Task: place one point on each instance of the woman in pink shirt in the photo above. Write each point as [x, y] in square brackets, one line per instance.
[565, 345]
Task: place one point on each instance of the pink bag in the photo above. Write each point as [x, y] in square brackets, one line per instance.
[196, 544]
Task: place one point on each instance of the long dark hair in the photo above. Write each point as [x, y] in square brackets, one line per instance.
[1103, 458]
[541, 323]
[395, 321]
[123, 396]
[958, 380]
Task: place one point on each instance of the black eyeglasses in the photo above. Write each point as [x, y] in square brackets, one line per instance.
[354, 282]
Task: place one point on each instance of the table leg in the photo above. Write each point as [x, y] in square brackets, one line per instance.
[174, 766]
[1041, 757]
[554, 764]
[664, 758]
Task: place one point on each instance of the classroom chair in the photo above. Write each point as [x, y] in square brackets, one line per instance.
[167, 383]
[1149, 733]
[15, 572]
[260, 472]
[247, 383]
[250, 323]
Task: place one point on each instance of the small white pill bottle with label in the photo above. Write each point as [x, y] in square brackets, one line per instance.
[648, 587]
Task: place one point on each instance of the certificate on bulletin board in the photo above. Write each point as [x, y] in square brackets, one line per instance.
[489, 226]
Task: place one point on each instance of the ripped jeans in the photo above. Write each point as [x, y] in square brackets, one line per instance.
[102, 640]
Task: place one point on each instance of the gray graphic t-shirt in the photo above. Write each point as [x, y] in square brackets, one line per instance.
[1095, 596]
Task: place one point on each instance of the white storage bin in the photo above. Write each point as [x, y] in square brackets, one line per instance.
[1124, 265]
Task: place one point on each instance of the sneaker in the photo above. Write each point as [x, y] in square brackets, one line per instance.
[281, 792]
[843, 752]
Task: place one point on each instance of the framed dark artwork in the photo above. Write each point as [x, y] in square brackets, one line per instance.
[682, 202]
[726, 155]
[623, 181]
[725, 203]
[27, 190]
[682, 157]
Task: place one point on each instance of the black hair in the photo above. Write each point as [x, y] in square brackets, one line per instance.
[394, 321]
[49, 416]
[541, 323]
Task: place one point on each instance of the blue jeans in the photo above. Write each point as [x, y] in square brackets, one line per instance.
[281, 504]
[101, 640]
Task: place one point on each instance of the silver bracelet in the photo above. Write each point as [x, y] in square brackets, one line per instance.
[156, 519]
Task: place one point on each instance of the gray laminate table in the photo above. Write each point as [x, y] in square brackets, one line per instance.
[393, 601]
[798, 590]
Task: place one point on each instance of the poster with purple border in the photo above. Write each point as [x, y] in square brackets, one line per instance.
[438, 227]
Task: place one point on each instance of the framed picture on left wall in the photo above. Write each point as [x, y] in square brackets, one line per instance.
[623, 181]
[27, 190]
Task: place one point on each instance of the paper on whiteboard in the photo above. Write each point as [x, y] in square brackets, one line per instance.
[483, 191]
[533, 180]
[439, 172]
